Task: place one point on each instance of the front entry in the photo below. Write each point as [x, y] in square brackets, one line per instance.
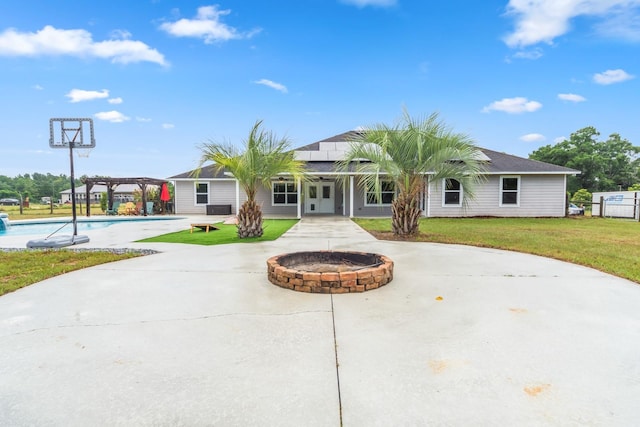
[319, 198]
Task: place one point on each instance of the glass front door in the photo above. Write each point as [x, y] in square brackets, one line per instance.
[320, 197]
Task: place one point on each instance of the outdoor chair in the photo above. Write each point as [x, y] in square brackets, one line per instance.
[114, 209]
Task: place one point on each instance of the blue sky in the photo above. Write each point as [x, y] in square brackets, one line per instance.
[161, 77]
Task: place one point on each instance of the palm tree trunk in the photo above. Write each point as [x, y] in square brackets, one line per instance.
[405, 215]
[249, 220]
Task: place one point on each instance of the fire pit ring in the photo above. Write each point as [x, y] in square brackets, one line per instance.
[330, 272]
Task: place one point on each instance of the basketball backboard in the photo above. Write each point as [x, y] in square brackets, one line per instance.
[71, 133]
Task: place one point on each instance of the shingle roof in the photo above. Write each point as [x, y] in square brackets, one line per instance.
[506, 163]
[207, 172]
[499, 162]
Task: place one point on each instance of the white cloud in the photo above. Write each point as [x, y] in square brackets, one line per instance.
[121, 34]
[572, 97]
[532, 137]
[540, 21]
[622, 25]
[529, 54]
[513, 106]
[38, 87]
[611, 76]
[168, 126]
[206, 25]
[143, 119]
[364, 3]
[115, 100]
[111, 116]
[277, 86]
[51, 41]
[559, 139]
[79, 95]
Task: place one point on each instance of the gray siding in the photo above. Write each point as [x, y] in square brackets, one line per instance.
[263, 197]
[540, 196]
[359, 208]
[185, 199]
[220, 193]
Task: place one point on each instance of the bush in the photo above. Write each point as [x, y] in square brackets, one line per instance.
[582, 196]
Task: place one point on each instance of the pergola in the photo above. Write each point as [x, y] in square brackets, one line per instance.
[112, 183]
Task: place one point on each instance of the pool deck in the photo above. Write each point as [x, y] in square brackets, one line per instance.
[197, 336]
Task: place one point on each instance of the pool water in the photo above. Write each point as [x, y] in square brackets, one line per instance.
[46, 228]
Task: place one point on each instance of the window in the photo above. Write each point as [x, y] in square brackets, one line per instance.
[285, 193]
[509, 191]
[202, 193]
[387, 193]
[452, 194]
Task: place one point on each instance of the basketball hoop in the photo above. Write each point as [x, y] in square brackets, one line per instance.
[72, 133]
[83, 152]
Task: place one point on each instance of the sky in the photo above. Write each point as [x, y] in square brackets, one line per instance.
[160, 78]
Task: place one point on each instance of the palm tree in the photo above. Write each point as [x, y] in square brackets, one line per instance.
[405, 154]
[264, 157]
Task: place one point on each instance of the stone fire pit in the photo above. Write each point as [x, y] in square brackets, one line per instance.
[330, 272]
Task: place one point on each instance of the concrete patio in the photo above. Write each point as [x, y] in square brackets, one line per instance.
[197, 336]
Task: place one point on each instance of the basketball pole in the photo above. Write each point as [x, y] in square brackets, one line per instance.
[73, 188]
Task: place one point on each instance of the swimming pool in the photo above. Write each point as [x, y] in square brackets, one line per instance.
[66, 226]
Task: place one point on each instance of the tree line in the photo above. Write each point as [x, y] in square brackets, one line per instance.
[35, 186]
[609, 165]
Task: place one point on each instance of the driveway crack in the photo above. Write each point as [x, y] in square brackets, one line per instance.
[335, 349]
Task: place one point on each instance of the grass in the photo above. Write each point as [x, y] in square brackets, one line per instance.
[273, 228]
[608, 245]
[36, 211]
[22, 268]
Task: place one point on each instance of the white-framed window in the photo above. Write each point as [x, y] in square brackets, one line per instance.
[386, 196]
[284, 193]
[202, 193]
[510, 191]
[451, 193]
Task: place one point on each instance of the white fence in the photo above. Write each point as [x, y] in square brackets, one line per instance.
[616, 204]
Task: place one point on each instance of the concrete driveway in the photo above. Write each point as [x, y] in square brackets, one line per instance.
[197, 336]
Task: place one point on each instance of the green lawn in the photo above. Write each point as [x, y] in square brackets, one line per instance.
[609, 245]
[273, 228]
[22, 268]
[37, 211]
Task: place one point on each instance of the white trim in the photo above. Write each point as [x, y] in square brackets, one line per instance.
[344, 199]
[364, 191]
[195, 193]
[351, 180]
[299, 188]
[428, 211]
[444, 193]
[510, 205]
[286, 193]
[237, 197]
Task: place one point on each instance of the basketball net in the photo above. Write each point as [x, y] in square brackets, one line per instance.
[83, 152]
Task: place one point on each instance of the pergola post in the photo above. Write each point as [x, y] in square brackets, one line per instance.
[88, 187]
[143, 187]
